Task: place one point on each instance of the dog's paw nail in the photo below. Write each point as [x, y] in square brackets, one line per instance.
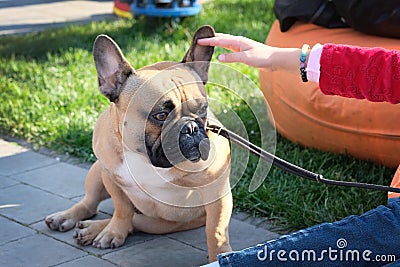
[75, 235]
[48, 222]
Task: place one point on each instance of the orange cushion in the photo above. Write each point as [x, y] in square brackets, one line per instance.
[303, 114]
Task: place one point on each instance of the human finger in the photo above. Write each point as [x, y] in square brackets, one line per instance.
[230, 42]
[232, 57]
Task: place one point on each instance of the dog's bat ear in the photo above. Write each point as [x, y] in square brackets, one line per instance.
[112, 67]
[200, 56]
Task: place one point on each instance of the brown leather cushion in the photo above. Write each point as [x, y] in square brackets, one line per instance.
[303, 114]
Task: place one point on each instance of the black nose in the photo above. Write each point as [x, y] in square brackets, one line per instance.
[190, 127]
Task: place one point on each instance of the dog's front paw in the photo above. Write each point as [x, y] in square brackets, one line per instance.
[213, 254]
[61, 221]
[66, 220]
[86, 231]
[113, 235]
[109, 239]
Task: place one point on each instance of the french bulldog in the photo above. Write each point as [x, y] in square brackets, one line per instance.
[155, 158]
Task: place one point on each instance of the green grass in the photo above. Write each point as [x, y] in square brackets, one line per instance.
[50, 98]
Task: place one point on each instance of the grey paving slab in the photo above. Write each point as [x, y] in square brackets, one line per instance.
[10, 231]
[159, 252]
[37, 250]
[87, 261]
[38, 15]
[22, 162]
[66, 237]
[62, 179]
[195, 237]
[6, 182]
[10, 148]
[26, 204]
[241, 235]
[107, 206]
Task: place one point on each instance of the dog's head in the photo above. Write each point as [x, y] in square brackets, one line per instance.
[161, 108]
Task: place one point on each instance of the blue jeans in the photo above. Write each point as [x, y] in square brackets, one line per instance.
[372, 239]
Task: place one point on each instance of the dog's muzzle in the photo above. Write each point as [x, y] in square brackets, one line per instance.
[182, 141]
[193, 141]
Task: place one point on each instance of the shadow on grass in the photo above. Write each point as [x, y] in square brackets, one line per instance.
[38, 45]
[250, 18]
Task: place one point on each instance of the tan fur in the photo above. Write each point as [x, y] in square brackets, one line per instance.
[117, 142]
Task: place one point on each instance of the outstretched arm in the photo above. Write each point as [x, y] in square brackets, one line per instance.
[255, 54]
[349, 71]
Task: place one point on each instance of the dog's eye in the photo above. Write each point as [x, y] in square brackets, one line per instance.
[202, 111]
[161, 116]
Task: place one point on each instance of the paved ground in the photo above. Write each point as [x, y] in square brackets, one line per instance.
[33, 185]
[24, 16]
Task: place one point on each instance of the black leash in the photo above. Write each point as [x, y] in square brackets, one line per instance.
[289, 167]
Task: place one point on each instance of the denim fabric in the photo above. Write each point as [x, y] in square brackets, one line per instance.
[372, 239]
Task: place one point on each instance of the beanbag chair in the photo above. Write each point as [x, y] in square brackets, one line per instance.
[303, 114]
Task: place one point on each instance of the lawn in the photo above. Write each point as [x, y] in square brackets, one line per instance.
[50, 98]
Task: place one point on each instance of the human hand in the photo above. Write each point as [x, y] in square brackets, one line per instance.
[245, 50]
[253, 53]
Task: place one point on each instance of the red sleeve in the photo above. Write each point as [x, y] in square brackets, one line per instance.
[350, 71]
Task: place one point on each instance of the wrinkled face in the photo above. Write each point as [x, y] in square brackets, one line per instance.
[170, 110]
[161, 109]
